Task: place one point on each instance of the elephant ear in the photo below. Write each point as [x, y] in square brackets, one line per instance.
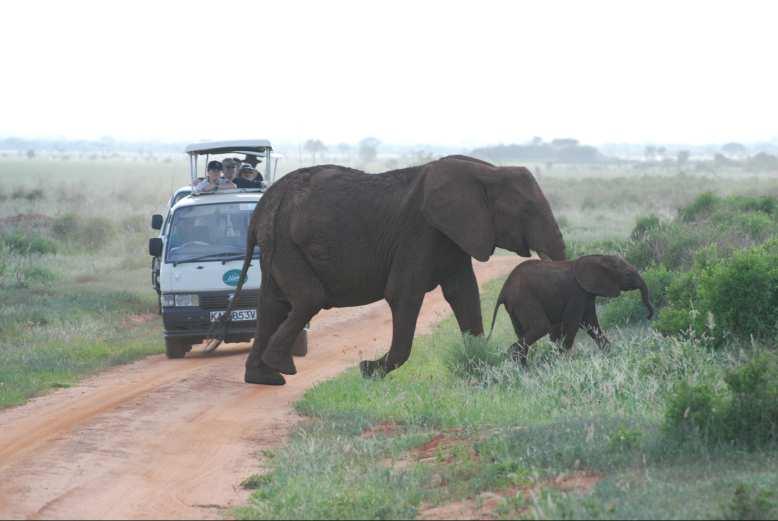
[597, 276]
[455, 203]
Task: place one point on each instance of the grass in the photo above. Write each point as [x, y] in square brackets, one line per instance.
[74, 275]
[590, 412]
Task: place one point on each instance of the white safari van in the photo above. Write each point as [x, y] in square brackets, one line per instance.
[200, 250]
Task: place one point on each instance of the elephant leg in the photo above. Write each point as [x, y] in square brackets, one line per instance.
[571, 322]
[556, 333]
[278, 354]
[271, 313]
[461, 292]
[592, 326]
[306, 297]
[405, 311]
[530, 324]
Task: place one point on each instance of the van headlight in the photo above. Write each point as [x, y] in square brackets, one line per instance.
[187, 300]
[169, 301]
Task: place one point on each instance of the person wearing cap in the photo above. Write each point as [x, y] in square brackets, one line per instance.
[248, 177]
[214, 181]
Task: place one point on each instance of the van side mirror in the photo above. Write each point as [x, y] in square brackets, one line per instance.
[155, 247]
[156, 222]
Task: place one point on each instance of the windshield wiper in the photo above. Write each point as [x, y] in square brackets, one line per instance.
[232, 254]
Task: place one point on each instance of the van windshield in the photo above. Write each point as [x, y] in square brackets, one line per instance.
[209, 232]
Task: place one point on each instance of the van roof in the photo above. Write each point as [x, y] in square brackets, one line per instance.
[226, 147]
[234, 196]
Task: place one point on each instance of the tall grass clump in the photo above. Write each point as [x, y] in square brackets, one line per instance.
[473, 358]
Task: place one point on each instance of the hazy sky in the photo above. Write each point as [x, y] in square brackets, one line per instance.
[406, 72]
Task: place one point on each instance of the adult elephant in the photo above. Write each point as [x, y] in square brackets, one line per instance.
[332, 236]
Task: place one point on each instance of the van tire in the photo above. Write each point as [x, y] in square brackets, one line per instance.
[300, 347]
[177, 347]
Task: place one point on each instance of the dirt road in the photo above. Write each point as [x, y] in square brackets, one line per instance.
[172, 439]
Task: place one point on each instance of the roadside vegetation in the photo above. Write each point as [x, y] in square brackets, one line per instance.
[678, 420]
[74, 269]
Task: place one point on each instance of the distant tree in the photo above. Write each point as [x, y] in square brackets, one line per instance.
[344, 149]
[536, 141]
[30, 154]
[734, 150]
[660, 152]
[368, 149]
[650, 153]
[564, 142]
[763, 161]
[314, 147]
[722, 160]
[683, 157]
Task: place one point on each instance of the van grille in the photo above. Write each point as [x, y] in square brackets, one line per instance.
[219, 302]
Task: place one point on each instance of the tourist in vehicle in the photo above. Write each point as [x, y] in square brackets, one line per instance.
[248, 177]
[214, 181]
[231, 169]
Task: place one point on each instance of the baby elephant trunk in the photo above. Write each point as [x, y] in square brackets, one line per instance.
[644, 294]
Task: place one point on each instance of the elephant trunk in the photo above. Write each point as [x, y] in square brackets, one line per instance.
[646, 297]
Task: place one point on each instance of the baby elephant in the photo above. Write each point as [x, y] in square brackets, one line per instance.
[557, 297]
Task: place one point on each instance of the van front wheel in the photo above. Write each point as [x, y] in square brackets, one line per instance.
[177, 347]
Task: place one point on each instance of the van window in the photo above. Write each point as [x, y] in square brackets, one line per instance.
[209, 232]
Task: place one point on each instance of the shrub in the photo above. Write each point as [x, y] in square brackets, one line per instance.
[751, 503]
[694, 410]
[28, 243]
[37, 274]
[643, 226]
[735, 295]
[752, 415]
[90, 233]
[745, 413]
[700, 208]
[741, 293]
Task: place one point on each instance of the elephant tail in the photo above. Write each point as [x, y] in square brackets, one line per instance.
[494, 314]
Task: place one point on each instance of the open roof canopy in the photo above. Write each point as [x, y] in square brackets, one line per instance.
[226, 147]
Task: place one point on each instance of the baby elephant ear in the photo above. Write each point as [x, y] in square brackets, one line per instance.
[596, 276]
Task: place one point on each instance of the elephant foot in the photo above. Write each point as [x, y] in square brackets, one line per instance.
[263, 376]
[281, 362]
[372, 369]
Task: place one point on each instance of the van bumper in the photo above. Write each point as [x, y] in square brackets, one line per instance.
[195, 323]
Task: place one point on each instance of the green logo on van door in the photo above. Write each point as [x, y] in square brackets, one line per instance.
[231, 277]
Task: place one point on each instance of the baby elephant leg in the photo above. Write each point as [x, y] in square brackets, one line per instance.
[592, 326]
[528, 332]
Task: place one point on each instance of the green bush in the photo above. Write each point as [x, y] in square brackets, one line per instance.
[700, 208]
[751, 503]
[741, 293]
[90, 233]
[643, 226]
[28, 243]
[38, 275]
[745, 413]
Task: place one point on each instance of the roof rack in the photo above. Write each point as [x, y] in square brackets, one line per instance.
[256, 147]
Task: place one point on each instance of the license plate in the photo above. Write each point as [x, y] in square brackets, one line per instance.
[237, 315]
